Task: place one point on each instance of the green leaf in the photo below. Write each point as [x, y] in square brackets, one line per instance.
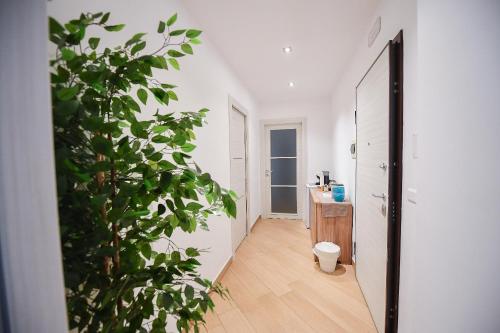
[166, 165]
[102, 145]
[160, 94]
[172, 95]
[138, 213]
[195, 41]
[138, 47]
[168, 86]
[72, 28]
[146, 250]
[135, 39]
[174, 221]
[175, 53]
[170, 205]
[162, 62]
[160, 259]
[160, 139]
[180, 325]
[188, 147]
[186, 48]
[229, 205]
[192, 252]
[161, 27]
[172, 20]
[142, 95]
[175, 256]
[162, 315]
[189, 292]
[155, 157]
[104, 18]
[55, 27]
[138, 131]
[193, 33]
[65, 94]
[161, 209]
[180, 138]
[194, 206]
[233, 195]
[117, 27]
[116, 105]
[168, 300]
[178, 158]
[99, 200]
[67, 54]
[177, 32]
[158, 129]
[132, 104]
[174, 63]
[94, 42]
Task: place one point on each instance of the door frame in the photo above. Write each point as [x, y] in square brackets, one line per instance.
[234, 104]
[302, 166]
[395, 177]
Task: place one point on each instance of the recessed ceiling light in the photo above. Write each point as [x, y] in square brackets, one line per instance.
[287, 49]
[291, 84]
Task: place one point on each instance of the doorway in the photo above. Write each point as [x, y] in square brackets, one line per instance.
[238, 159]
[379, 128]
[282, 162]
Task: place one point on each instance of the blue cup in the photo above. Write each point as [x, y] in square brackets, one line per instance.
[338, 192]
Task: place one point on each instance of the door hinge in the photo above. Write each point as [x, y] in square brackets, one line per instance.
[396, 88]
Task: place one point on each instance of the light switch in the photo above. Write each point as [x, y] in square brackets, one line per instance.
[412, 195]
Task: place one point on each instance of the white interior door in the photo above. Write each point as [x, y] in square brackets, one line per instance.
[282, 157]
[238, 175]
[372, 96]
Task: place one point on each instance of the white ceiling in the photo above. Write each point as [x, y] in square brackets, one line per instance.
[250, 35]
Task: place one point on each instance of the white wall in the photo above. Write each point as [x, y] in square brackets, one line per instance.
[204, 81]
[31, 273]
[457, 264]
[318, 130]
[450, 238]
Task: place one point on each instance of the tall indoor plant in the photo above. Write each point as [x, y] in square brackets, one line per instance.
[125, 183]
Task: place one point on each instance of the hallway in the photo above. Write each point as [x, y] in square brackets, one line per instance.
[150, 147]
[276, 287]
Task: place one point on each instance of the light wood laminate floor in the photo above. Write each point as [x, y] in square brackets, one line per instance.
[276, 287]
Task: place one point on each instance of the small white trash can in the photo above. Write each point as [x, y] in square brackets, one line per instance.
[327, 253]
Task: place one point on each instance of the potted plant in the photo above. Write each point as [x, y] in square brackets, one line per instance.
[125, 183]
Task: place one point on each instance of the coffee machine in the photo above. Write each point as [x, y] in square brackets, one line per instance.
[323, 178]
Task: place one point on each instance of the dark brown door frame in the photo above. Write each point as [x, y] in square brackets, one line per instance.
[395, 177]
[395, 180]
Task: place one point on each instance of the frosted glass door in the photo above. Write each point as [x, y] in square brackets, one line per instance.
[283, 171]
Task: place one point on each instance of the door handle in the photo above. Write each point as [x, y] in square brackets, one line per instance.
[268, 173]
[380, 196]
[383, 166]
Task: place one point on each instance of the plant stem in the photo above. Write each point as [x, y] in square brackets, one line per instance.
[116, 237]
[101, 177]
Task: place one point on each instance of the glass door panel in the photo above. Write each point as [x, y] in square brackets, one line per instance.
[283, 171]
[284, 200]
[284, 143]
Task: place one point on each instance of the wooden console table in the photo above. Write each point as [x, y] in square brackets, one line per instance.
[331, 222]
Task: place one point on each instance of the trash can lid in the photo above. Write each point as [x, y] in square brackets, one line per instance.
[327, 247]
